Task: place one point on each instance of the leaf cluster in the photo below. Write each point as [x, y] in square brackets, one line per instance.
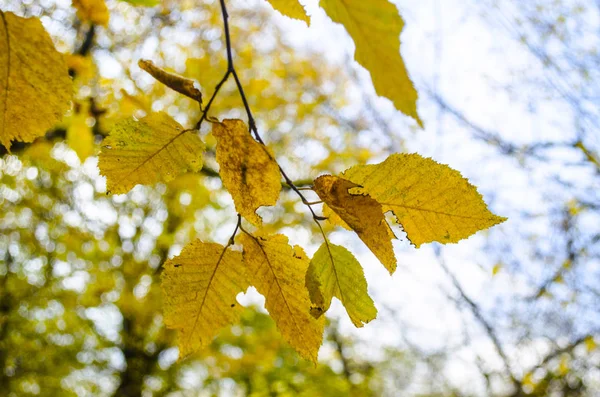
[432, 202]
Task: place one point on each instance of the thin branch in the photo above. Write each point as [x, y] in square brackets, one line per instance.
[477, 313]
[251, 122]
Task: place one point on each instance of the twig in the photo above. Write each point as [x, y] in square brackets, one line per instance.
[476, 311]
[251, 122]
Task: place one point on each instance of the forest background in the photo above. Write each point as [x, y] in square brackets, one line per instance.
[508, 96]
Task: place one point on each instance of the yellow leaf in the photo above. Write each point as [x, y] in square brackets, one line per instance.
[334, 271]
[93, 11]
[375, 27]
[496, 269]
[431, 201]
[153, 149]
[80, 137]
[334, 218]
[81, 65]
[564, 365]
[35, 87]
[200, 288]
[248, 169]
[278, 272]
[590, 344]
[290, 8]
[528, 380]
[363, 214]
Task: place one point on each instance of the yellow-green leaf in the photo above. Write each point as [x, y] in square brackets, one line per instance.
[590, 344]
[278, 273]
[375, 27]
[431, 201]
[153, 149]
[334, 271]
[200, 288]
[247, 168]
[80, 137]
[35, 87]
[290, 8]
[94, 11]
[496, 269]
[363, 214]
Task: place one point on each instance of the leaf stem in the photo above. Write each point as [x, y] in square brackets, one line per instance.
[251, 123]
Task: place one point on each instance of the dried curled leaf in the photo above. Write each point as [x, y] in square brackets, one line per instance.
[431, 201]
[94, 11]
[334, 271]
[290, 8]
[200, 287]
[175, 82]
[35, 87]
[363, 214]
[248, 169]
[153, 149]
[278, 272]
[375, 27]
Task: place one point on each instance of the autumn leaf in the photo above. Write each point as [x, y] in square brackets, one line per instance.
[153, 149]
[35, 87]
[80, 137]
[290, 8]
[278, 273]
[177, 83]
[375, 27]
[248, 169]
[334, 218]
[334, 271]
[94, 11]
[200, 287]
[360, 212]
[431, 201]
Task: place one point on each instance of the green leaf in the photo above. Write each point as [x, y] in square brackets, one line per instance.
[334, 271]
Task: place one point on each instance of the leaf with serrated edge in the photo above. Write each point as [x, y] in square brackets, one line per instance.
[153, 149]
[375, 27]
[247, 168]
[290, 8]
[278, 273]
[200, 286]
[363, 214]
[431, 201]
[334, 271]
[35, 87]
